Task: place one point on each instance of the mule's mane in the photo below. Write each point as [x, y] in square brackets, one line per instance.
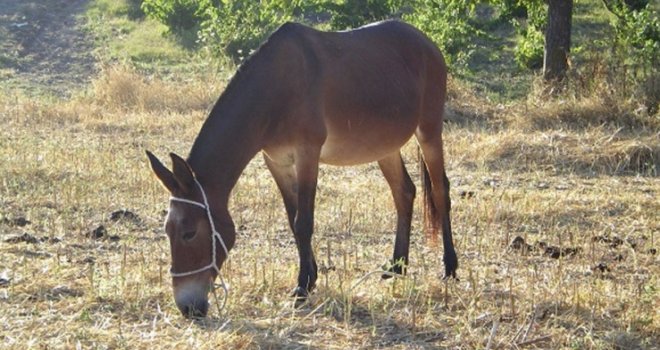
[222, 135]
[244, 69]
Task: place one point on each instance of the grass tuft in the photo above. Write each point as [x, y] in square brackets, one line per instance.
[121, 88]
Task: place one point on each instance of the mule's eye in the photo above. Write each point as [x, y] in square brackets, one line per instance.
[189, 235]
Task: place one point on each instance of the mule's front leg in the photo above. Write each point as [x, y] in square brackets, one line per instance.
[307, 169]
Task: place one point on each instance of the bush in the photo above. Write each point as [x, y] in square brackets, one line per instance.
[177, 15]
[447, 23]
[529, 49]
[530, 28]
[354, 13]
[237, 27]
[636, 49]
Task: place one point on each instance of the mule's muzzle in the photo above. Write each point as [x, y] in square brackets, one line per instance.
[195, 309]
[192, 299]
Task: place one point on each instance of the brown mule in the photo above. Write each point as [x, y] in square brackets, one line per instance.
[307, 97]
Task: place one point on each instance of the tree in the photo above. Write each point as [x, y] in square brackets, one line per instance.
[557, 39]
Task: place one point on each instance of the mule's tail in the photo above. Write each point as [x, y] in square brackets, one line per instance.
[431, 214]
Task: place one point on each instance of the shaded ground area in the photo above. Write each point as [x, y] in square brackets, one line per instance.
[42, 46]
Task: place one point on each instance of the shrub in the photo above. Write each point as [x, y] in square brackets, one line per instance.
[529, 49]
[237, 27]
[447, 23]
[530, 28]
[177, 15]
[635, 51]
[354, 13]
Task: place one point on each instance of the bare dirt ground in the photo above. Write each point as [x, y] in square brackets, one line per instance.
[44, 47]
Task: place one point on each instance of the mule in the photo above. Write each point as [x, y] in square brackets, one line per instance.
[307, 97]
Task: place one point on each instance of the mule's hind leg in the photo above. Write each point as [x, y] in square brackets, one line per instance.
[439, 204]
[403, 191]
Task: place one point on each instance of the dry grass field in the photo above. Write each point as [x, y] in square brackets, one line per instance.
[555, 210]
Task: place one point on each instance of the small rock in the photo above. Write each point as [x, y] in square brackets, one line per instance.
[97, 233]
[518, 243]
[612, 241]
[652, 251]
[632, 242]
[19, 221]
[54, 240]
[466, 194]
[553, 252]
[25, 237]
[88, 260]
[601, 267]
[491, 182]
[570, 251]
[541, 245]
[4, 280]
[542, 185]
[556, 252]
[124, 215]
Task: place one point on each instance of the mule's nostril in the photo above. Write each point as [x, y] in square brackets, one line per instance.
[198, 309]
[189, 235]
[191, 298]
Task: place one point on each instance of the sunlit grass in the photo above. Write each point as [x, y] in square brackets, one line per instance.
[67, 165]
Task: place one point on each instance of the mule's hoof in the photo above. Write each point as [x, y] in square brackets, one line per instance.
[450, 273]
[299, 296]
[451, 265]
[393, 270]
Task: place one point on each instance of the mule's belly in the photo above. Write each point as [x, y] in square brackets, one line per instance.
[354, 154]
[358, 144]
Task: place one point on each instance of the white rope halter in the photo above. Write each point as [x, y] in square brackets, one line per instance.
[214, 235]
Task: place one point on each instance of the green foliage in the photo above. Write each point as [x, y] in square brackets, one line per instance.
[637, 32]
[237, 27]
[530, 29]
[223, 27]
[510, 9]
[178, 15]
[635, 50]
[529, 49]
[448, 23]
[354, 13]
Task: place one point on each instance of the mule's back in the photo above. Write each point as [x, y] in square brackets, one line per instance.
[377, 84]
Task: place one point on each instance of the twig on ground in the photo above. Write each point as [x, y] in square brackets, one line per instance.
[493, 331]
[531, 324]
[533, 341]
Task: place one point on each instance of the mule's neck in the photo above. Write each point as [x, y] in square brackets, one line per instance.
[233, 133]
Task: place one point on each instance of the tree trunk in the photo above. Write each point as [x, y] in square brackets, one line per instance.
[557, 39]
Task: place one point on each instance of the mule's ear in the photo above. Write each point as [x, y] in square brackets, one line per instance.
[183, 174]
[165, 176]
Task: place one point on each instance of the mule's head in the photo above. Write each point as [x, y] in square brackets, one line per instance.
[190, 235]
